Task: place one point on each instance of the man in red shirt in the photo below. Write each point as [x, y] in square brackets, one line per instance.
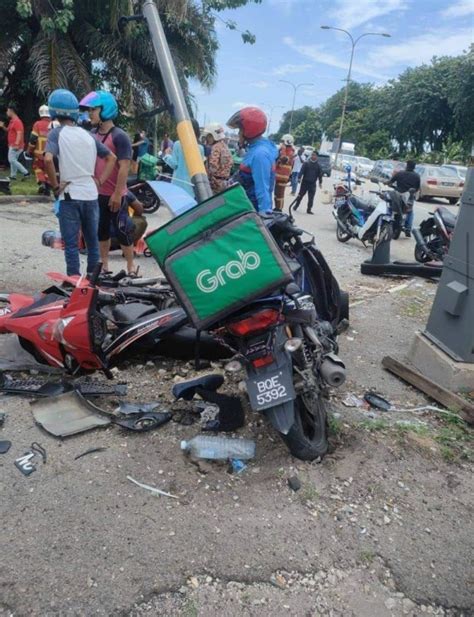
[16, 142]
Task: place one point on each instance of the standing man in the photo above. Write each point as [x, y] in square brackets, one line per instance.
[103, 110]
[403, 181]
[76, 151]
[295, 172]
[36, 146]
[257, 170]
[310, 173]
[166, 144]
[16, 141]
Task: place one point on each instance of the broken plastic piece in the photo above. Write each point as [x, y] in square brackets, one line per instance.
[37, 387]
[24, 463]
[67, 414]
[146, 421]
[377, 401]
[152, 489]
[351, 400]
[294, 483]
[5, 445]
[187, 389]
[3, 415]
[231, 414]
[237, 465]
[127, 408]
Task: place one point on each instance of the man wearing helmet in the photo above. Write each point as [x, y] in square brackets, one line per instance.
[36, 145]
[284, 166]
[219, 160]
[103, 110]
[257, 170]
[76, 152]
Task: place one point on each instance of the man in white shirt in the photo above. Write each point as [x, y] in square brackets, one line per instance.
[76, 152]
[297, 165]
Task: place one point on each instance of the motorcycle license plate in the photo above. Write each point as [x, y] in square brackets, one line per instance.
[340, 201]
[270, 389]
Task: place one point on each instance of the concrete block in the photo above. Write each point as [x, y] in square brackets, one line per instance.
[435, 364]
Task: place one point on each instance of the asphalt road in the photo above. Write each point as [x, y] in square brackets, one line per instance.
[383, 527]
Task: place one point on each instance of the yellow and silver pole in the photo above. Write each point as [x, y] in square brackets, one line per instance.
[192, 154]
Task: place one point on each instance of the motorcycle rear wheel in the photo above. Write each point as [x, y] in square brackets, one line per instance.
[307, 439]
[150, 201]
[421, 256]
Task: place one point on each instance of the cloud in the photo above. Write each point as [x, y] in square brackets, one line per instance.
[260, 84]
[349, 14]
[317, 54]
[240, 104]
[421, 49]
[289, 69]
[459, 9]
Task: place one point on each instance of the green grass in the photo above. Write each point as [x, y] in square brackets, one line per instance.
[23, 187]
[335, 426]
[367, 557]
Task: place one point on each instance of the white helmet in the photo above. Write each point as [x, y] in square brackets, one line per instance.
[216, 130]
[288, 139]
[43, 111]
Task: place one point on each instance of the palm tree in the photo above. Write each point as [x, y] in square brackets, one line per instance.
[77, 44]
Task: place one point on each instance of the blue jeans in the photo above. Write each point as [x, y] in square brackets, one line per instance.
[294, 182]
[13, 156]
[75, 215]
[409, 220]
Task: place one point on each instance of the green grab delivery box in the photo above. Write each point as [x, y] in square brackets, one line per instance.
[218, 257]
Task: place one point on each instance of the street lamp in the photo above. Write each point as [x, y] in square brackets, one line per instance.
[295, 88]
[346, 93]
[271, 108]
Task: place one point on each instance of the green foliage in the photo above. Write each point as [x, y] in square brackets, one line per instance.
[426, 113]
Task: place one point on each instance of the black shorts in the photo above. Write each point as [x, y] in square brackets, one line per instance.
[108, 218]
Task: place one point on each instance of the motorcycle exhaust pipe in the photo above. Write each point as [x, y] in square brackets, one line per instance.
[420, 242]
[333, 371]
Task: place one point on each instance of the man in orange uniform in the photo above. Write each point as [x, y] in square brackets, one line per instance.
[36, 146]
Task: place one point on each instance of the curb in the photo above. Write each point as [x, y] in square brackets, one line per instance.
[11, 199]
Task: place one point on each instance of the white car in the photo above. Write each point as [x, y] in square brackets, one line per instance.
[363, 166]
[459, 169]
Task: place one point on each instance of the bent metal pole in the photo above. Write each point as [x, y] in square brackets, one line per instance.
[186, 135]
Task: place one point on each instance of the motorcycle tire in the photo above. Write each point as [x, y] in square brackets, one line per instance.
[341, 234]
[150, 201]
[397, 228]
[453, 200]
[307, 439]
[421, 256]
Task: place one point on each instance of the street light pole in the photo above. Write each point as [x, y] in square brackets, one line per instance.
[295, 88]
[346, 91]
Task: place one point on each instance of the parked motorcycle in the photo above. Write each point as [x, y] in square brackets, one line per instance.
[433, 238]
[287, 344]
[367, 222]
[405, 205]
[142, 191]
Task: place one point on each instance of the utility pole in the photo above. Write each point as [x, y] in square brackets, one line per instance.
[346, 91]
[295, 88]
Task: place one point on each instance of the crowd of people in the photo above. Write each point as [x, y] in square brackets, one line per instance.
[87, 170]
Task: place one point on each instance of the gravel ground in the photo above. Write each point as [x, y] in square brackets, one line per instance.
[382, 527]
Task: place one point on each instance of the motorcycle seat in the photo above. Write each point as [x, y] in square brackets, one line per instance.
[361, 205]
[187, 389]
[448, 217]
[131, 312]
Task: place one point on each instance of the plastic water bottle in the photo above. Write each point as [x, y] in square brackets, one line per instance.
[210, 447]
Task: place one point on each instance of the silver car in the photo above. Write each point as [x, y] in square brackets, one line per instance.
[439, 182]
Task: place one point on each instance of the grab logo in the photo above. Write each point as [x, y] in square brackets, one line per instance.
[208, 282]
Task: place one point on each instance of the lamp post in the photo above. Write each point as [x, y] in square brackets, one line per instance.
[270, 116]
[295, 88]
[346, 92]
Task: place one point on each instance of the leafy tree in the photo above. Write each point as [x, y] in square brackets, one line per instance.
[309, 131]
[77, 44]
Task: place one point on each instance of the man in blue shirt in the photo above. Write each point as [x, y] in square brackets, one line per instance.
[257, 170]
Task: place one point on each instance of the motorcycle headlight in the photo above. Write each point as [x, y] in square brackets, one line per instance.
[58, 330]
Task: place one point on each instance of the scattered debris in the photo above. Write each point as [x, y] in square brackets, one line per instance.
[219, 448]
[24, 463]
[377, 401]
[68, 414]
[40, 388]
[90, 451]
[5, 445]
[294, 483]
[152, 489]
[187, 389]
[145, 421]
[3, 416]
[127, 408]
[351, 400]
[237, 466]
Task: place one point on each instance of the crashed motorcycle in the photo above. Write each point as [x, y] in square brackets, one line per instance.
[91, 328]
[433, 238]
[287, 344]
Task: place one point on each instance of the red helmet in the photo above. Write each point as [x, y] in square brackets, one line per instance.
[251, 120]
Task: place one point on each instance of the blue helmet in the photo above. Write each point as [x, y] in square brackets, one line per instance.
[103, 99]
[348, 168]
[63, 104]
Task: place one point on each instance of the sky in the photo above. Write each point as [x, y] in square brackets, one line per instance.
[291, 46]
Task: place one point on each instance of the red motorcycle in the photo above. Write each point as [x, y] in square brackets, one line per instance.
[91, 329]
